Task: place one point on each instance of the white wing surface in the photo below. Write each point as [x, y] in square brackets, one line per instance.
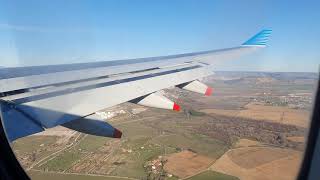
[35, 98]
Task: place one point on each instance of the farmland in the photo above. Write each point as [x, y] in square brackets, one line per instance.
[222, 136]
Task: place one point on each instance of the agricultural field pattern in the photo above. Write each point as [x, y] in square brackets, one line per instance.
[252, 127]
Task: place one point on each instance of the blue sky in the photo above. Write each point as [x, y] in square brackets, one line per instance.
[55, 32]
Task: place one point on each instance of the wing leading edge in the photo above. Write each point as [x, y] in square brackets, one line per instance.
[35, 98]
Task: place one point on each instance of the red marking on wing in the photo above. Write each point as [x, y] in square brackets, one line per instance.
[117, 133]
[209, 91]
[176, 107]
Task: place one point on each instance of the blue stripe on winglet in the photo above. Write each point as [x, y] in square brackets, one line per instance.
[260, 39]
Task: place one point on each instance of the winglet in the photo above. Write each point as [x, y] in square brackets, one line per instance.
[259, 39]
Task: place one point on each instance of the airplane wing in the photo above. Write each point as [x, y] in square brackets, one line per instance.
[35, 98]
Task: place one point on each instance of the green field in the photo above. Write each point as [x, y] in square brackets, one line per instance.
[32, 143]
[212, 175]
[202, 145]
[135, 161]
[62, 161]
[54, 176]
[92, 143]
[35, 147]
[146, 139]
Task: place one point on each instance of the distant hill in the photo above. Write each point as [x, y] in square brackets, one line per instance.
[263, 76]
[236, 77]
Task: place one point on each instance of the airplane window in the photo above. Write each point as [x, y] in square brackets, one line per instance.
[158, 90]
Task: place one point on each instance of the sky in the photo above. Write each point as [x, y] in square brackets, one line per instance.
[58, 32]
